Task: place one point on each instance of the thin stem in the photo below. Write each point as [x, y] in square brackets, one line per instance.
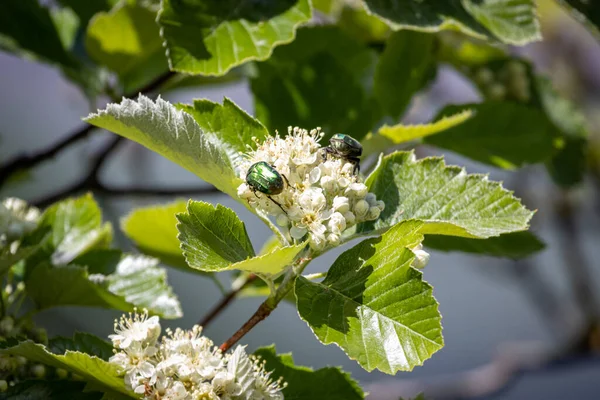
[265, 309]
[315, 276]
[225, 301]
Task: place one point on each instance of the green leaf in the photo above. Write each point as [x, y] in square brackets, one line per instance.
[209, 38]
[83, 343]
[404, 68]
[154, 231]
[511, 245]
[173, 134]
[405, 133]
[49, 390]
[355, 21]
[586, 12]
[127, 40]
[76, 227]
[132, 281]
[330, 383]
[229, 123]
[27, 27]
[510, 21]
[91, 368]
[503, 134]
[568, 165]
[212, 237]
[85, 10]
[319, 80]
[374, 305]
[215, 239]
[449, 201]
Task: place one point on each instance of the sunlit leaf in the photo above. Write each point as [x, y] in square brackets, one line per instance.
[510, 245]
[172, 133]
[374, 305]
[210, 37]
[446, 198]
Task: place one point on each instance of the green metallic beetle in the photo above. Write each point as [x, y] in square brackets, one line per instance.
[264, 178]
[345, 147]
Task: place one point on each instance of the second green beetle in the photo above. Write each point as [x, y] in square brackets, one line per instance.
[345, 147]
[264, 178]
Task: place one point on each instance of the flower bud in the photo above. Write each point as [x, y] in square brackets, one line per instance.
[38, 371]
[361, 208]
[381, 205]
[337, 223]
[282, 220]
[297, 232]
[484, 76]
[496, 91]
[341, 204]
[373, 213]
[421, 257]
[3, 386]
[333, 239]
[350, 218]
[328, 184]
[61, 373]
[357, 190]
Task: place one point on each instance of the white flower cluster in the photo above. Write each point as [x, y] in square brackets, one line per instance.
[16, 219]
[322, 197]
[184, 365]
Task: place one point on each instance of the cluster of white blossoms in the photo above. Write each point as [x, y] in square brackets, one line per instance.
[184, 365]
[322, 198]
[510, 82]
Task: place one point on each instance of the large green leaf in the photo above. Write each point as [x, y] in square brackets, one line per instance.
[510, 21]
[27, 27]
[127, 40]
[215, 239]
[229, 123]
[585, 11]
[502, 134]
[374, 305]
[404, 67]
[449, 201]
[91, 368]
[100, 281]
[319, 80]
[209, 37]
[172, 133]
[84, 343]
[154, 231]
[303, 383]
[511, 245]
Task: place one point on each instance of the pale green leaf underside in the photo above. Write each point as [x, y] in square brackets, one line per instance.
[330, 383]
[446, 198]
[405, 133]
[374, 305]
[510, 21]
[210, 40]
[90, 368]
[136, 282]
[212, 237]
[76, 227]
[173, 134]
[154, 231]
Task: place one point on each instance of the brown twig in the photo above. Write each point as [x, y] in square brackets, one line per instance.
[263, 312]
[225, 301]
[25, 161]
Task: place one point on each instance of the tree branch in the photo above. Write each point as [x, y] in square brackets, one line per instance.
[26, 161]
[263, 312]
[225, 301]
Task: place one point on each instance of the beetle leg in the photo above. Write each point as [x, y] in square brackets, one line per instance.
[273, 200]
[286, 180]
